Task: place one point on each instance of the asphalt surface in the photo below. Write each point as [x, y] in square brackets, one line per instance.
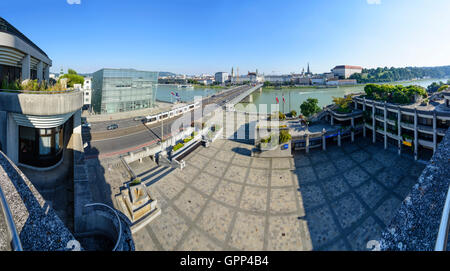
[137, 135]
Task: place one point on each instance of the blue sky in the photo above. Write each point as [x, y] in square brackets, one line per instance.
[205, 36]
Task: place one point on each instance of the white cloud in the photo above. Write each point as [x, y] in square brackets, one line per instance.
[373, 2]
[71, 2]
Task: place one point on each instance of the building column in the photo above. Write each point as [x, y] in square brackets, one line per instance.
[364, 126]
[40, 71]
[307, 144]
[47, 72]
[416, 135]
[385, 126]
[26, 68]
[339, 138]
[399, 133]
[353, 129]
[374, 130]
[332, 119]
[434, 132]
[324, 140]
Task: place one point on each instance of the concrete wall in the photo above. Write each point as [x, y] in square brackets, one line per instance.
[41, 104]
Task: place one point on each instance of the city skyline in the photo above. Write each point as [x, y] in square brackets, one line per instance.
[202, 37]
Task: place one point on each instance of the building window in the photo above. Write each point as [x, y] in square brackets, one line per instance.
[40, 147]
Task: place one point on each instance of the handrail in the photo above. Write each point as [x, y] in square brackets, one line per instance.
[444, 227]
[15, 240]
[118, 220]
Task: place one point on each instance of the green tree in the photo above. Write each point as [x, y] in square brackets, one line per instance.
[73, 77]
[310, 107]
[444, 87]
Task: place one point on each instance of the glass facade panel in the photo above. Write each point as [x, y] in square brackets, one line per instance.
[122, 90]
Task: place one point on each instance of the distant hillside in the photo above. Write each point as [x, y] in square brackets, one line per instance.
[163, 74]
[380, 75]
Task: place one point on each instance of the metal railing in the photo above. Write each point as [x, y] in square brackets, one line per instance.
[38, 92]
[16, 245]
[118, 220]
[444, 227]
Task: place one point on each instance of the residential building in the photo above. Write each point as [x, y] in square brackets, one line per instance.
[122, 90]
[20, 58]
[278, 79]
[345, 71]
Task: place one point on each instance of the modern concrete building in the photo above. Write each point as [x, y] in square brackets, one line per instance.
[122, 90]
[221, 77]
[20, 58]
[413, 128]
[345, 71]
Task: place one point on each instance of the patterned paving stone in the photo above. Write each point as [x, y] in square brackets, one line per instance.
[236, 174]
[281, 178]
[360, 156]
[318, 157]
[208, 152]
[216, 220]
[143, 241]
[282, 200]
[367, 231]
[170, 188]
[339, 245]
[205, 183]
[387, 209]
[385, 158]
[372, 166]
[196, 241]
[248, 232]
[325, 170]
[254, 199]
[344, 163]
[261, 163]
[228, 193]
[305, 175]
[356, 176]
[216, 168]
[223, 156]
[258, 177]
[389, 177]
[348, 210]
[187, 174]
[169, 228]
[281, 163]
[335, 187]
[349, 148]
[285, 233]
[322, 228]
[197, 160]
[312, 196]
[405, 186]
[241, 160]
[190, 203]
[371, 192]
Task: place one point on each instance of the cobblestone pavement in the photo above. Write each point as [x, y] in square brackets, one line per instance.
[226, 200]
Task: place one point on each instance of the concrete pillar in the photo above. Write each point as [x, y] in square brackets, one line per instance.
[364, 109]
[12, 139]
[3, 128]
[434, 132]
[47, 73]
[385, 126]
[374, 130]
[332, 120]
[339, 138]
[307, 144]
[324, 140]
[399, 132]
[40, 71]
[416, 135]
[353, 130]
[26, 68]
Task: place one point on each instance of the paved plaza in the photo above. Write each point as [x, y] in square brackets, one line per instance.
[226, 200]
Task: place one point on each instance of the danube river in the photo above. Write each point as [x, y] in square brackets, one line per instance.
[294, 97]
[163, 93]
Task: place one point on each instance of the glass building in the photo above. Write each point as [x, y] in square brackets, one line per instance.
[122, 90]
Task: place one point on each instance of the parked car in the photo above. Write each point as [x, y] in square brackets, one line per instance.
[112, 127]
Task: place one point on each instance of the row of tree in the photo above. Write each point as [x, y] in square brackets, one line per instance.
[381, 75]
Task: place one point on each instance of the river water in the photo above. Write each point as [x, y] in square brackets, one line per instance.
[294, 97]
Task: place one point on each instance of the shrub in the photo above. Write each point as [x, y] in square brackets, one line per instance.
[294, 113]
[178, 146]
[285, 136]
[310, 107]
[136, 181]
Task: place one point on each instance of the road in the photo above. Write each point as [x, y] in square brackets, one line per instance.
[137, 135]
